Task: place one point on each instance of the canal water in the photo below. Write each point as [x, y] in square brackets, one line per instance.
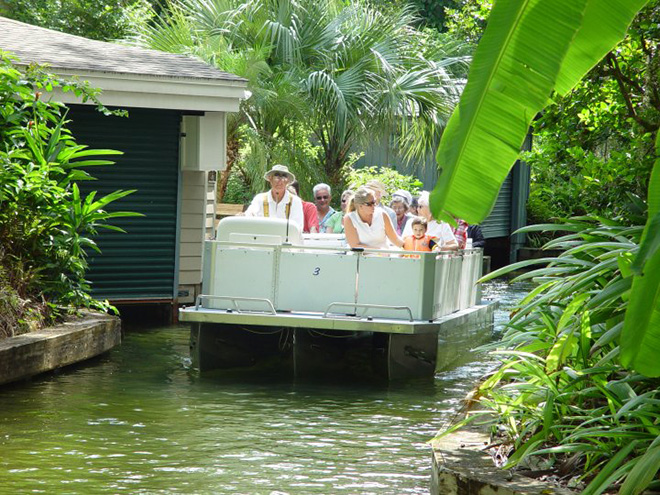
[138, 420]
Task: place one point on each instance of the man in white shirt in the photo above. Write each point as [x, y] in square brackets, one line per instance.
[278, 202]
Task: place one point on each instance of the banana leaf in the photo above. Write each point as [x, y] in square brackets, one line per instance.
[530, 48]
[640, 337]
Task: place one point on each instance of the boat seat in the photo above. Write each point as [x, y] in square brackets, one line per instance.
[258, 230]
[325, 240]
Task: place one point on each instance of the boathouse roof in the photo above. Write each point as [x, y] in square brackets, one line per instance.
[129, 76]
[66, 51]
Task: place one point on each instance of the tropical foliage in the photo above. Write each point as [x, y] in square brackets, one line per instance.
[563, 401]
[594, 147]
[468, 21]
[339, 72]
[510, 83]
[577, 382]
[432, 13]
[45, 223]
[100, 21]
[392, 179]
[515, 86]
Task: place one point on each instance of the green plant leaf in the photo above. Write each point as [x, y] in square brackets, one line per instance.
[513, 73]
[643, 473]
[603, 478]
[640, 337]
[589, 44]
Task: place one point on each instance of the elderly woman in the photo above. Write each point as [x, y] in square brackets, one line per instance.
[322, 197]
[400, 206]
[336, 223]
[440, 230]
[366, 225]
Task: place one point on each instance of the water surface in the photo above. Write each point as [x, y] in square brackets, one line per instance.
[138, 420]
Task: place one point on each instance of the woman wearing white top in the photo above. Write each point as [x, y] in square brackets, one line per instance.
[440, 230]
[367, 226]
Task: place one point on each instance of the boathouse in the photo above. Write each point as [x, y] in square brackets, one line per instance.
[173, 140]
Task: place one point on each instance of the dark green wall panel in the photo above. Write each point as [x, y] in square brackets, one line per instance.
[140, 264]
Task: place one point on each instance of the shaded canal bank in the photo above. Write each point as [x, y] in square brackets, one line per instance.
[137, 420]
[75, 340]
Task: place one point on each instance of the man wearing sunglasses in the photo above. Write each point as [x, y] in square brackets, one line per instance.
[277, 202]
[322, 197]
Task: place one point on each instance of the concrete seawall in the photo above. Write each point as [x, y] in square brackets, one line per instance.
[462, 467]
[27, 355]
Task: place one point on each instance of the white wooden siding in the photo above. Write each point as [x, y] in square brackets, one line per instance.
[193, 221]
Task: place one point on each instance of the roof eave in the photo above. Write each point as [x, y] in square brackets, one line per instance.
[164, 92]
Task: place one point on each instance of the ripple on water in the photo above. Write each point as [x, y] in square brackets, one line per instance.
[137, 420]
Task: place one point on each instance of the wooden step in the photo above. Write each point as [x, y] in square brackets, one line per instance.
[227, 210]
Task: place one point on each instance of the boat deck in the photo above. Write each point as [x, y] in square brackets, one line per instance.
[322, 321]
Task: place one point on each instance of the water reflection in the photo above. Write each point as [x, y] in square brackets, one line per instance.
[138, 420]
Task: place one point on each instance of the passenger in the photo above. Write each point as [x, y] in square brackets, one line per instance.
[380, 191]
[367, 225]
[463, 231]
[322, 197]
[277, 202]
[460, 232]
[419, 240]
[440, 230]
[311, 223]
[336, 223]
[413, 206]
[474, 232]
[403, 194]
[400, 206]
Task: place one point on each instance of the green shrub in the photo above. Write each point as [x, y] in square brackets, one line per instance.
[45, 224]
[237, 191]
[573, 182]
[561, 400]
[392, 179]
[258, 153]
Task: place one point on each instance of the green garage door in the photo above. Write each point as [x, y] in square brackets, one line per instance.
[141, 264]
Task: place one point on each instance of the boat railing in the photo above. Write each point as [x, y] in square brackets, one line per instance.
[235, 300]
[247, 269]
[366, 307]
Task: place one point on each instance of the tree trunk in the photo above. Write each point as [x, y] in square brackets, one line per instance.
[335, 159]
[232, 155]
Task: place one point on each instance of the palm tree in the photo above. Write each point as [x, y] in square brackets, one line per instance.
[344, 73]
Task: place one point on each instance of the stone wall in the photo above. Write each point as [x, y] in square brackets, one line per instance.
[27, 355]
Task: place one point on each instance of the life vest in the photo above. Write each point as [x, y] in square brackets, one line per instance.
[411, 243]
[287, 208]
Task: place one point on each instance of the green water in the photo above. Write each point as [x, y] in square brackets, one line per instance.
[138, 420]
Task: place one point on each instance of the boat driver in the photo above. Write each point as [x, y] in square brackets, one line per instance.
[277, 202]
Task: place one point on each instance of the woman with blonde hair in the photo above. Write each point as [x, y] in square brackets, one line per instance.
[366, 225]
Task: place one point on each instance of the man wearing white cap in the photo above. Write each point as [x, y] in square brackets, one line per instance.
[278, 202]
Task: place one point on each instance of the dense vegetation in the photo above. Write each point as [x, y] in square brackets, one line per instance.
[325, 78]
[575, 397]
[45, 223]
[99, 21]
[565, 405]
[594, 147]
